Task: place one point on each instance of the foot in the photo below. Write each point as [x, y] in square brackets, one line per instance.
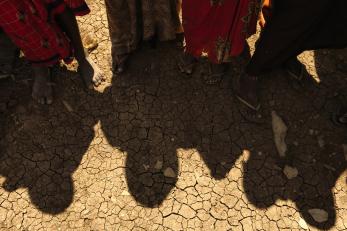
[247, 91]
[215, 73]
[119, 63]
[42, 88]
[186, 63]
[90, 73]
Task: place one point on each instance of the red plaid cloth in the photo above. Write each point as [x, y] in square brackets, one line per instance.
[32, 27]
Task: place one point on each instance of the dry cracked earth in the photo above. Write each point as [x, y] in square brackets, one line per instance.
[156, 150]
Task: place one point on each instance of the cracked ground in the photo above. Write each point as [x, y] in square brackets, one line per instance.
[156, 150]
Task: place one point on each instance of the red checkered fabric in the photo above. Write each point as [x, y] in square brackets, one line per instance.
[32, 27]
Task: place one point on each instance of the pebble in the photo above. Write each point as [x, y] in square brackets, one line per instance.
[290, 172]
[158, 165]
[319, 215]
[169, 172]
[280, 132]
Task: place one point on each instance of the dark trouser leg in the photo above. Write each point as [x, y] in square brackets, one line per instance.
[295, 26]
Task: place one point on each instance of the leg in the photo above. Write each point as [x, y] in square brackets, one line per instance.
[42, 88]
[89, 71]
[124, 27]
[291, 29]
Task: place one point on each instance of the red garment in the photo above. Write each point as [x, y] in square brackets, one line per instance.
[32, 27]
[218, 28]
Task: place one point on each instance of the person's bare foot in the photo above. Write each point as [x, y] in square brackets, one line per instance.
[90, 73]
[42, 88]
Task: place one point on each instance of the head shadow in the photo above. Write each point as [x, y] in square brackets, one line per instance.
[41, 146]
[155, 110]
[315, 147]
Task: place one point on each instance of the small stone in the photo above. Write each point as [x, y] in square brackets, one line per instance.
[296, 143]
[146, 166]
[172, 139]
[280, 132]
[169, 172]
[311, 132]
[158, 165]
[290, 172]
[90, 42]
[260, 153]
[303, 224]
[319, 215]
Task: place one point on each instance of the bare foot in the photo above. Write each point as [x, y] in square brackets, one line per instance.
[90, 73]
[42, 88]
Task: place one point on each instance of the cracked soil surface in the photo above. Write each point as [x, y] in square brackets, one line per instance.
[155, 150]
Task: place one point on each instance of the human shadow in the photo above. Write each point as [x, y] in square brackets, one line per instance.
[42, 146]
[315, 147]
[148, 114]
[155, 111]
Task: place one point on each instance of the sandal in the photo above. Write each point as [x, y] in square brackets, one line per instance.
[245, 96]
[186, 63]
[215, 73]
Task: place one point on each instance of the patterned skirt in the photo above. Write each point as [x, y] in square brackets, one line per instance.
[32, 26]
[219, 28]
[131, 21]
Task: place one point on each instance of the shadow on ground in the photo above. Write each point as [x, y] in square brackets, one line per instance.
[151, 112]
[315, 144]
